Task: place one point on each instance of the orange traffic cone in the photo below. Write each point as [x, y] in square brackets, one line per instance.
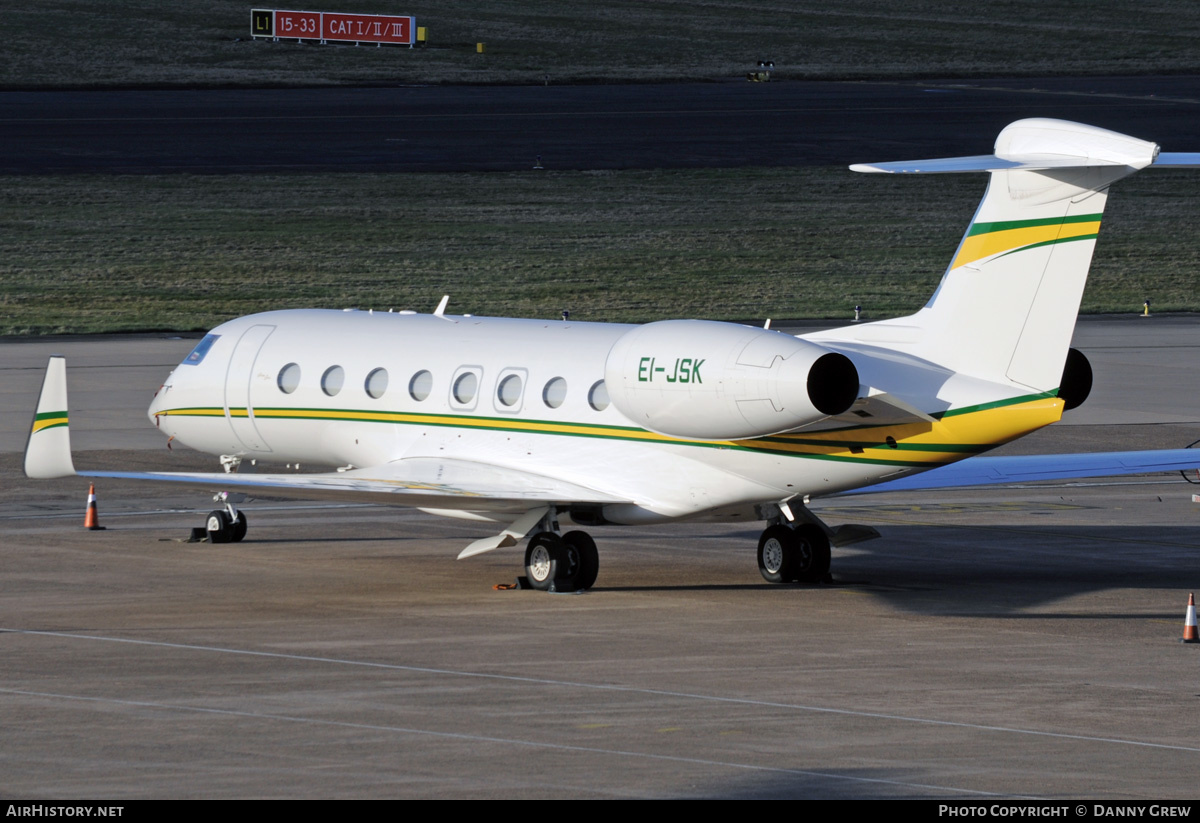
[91, 520]
[1189, 622]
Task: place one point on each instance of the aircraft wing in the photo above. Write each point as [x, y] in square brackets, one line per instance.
[985, 471]
[423, 482]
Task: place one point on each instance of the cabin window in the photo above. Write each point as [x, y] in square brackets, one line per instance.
[377, 382]
[465, 386]
[289, 378]
[420, 386]
[509, 390]
[598, 396]
[555, 392]
[332, 380]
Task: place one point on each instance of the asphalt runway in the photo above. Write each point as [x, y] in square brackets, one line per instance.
[1012, 642]
[504, 128]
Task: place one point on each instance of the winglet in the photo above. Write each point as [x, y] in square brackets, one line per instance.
[48, 450]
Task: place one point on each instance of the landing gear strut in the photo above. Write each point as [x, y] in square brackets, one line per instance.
[793, 555]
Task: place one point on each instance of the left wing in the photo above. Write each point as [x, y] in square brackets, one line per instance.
[422, 482]
[984, 471]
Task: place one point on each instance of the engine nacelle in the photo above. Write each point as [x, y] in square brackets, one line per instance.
[719, 381]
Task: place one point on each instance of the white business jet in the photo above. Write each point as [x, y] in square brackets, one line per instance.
[530, 423]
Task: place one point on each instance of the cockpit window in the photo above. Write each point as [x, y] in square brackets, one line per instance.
[201, 349]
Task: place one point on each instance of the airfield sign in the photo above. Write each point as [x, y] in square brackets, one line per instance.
[325, 26]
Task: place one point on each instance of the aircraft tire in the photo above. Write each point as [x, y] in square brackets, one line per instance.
[810, 562]
[776, 551]
[583, 561]
[218, 527]
[543, 557]
[238, 529]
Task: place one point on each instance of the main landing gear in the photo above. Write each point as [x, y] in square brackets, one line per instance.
[794, 548]
[561, 563]
[797, 554]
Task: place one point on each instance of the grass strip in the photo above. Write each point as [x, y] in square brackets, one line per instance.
[176, 252]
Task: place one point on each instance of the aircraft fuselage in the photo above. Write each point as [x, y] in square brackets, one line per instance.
[362, 389]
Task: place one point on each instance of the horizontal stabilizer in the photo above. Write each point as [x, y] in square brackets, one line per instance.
[1038, 144]
[980, 162]
[990, 471]
[990, 162]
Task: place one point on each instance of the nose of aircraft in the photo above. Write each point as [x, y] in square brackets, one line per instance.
[155, 405]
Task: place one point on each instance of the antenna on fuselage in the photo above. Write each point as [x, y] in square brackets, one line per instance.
[440, 311]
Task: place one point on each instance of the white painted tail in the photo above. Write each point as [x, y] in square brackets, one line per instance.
[1005, 308]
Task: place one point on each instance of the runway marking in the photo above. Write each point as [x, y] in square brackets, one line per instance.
[511, 741]
[741, 701]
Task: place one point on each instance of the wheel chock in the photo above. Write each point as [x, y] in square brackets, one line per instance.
[91, 519]
[1189, 622]
[199, 535]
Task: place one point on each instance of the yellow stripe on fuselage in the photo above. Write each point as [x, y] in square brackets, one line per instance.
[958, 434]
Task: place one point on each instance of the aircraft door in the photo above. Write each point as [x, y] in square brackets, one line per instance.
[239, 378]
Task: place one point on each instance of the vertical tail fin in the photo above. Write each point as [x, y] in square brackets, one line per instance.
[1006, 306]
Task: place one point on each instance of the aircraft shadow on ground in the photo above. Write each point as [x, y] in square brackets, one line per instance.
[1011, 572]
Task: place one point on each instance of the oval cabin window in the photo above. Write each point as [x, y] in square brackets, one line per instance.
[555, 392]
[420, 386]
[465, 387]
[332, 380]
[289, 378]
[509, 390]
[598, 396]
[377, 382]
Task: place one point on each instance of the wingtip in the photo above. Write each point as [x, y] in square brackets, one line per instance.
[48, 449]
